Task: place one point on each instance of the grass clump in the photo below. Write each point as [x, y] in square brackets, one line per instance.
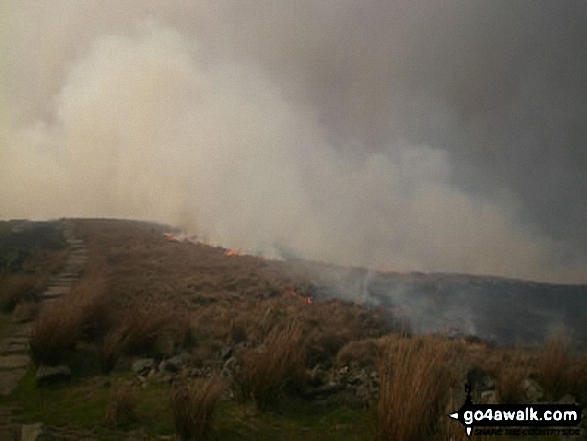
[274, 368]
[84, 314]
[121, 409]
[415, 377]
[193, 408]
[560, 370]
[510, 384]
[142, 331]
[18, 288]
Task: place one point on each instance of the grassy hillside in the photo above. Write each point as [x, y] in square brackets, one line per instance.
[169, 337]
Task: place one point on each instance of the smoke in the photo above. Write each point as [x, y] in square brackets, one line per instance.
[356, 134]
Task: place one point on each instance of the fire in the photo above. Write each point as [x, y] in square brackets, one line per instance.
[230, 253]
[291, 291]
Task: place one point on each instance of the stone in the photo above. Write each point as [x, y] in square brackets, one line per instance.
[567, 399]
[229, 367]
[9, 380]
[322, 392]
[488, 397]
[142, 366]
[34, 432]
[103, 383]
[479, 380]
[12, 346]
[52, 374]
[533, 390]
[226, 352]
[174, 364]
[179, 360]
[14, 361]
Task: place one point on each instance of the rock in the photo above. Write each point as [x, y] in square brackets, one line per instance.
[322, 392]
[173, 365]
[52, 374]
[488, 397]
[9, 380]
[14, 361]
[226, 352]
[103, 383]
[34, 432]
[479, 380]
[317, 376]
[533, 390]
[142, 366]
[178, 361]
[229, 367]
[567, 399]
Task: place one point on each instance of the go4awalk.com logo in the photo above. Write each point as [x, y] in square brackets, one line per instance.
[506, 419]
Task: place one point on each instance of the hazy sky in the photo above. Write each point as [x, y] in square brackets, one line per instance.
[427, 135]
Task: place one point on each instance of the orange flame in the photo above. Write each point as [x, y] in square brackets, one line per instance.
[290, 291]
[230, 252]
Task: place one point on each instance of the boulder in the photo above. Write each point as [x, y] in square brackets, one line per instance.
[226, 352]
[174, 364]
[229, 367]
[533, 390]
[488, 397]
[52, 374]
[142, 366]
[567, 399]
[34, 432]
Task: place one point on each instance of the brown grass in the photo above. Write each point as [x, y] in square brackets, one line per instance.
[415, 377]
[193, 408]
[274, 368]
[560, 370]
[84, 314]
[360, 353]
[121, 409]
[17, 288]
[510, 384]
[143, 331]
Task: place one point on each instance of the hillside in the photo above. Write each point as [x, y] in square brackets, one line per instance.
[145, 324]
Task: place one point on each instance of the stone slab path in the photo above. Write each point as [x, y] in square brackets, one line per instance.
[14, 349]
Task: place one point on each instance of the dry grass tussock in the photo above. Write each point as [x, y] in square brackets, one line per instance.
[84, 314]
[560, 370]
[415, 376]
[193, 408]
[143, 330]
[360, 353]
[121, 409]
[17, 288]
[273, 369]
[510, 384]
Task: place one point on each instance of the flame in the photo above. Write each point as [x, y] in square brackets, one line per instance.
[291, 291]
[230, 253]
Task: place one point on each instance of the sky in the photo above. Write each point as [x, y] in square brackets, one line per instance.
[424, 135]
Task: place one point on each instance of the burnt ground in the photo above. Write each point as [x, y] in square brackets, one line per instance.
[505, 311]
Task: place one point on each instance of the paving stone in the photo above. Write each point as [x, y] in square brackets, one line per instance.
[14, 361]
[52, 374]
[9, 346]
[57, 290]
[9, 380]
[24, 330]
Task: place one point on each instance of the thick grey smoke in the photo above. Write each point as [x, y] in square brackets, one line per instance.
[444, 136]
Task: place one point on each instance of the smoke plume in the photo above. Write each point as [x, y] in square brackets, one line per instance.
[435, 136]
